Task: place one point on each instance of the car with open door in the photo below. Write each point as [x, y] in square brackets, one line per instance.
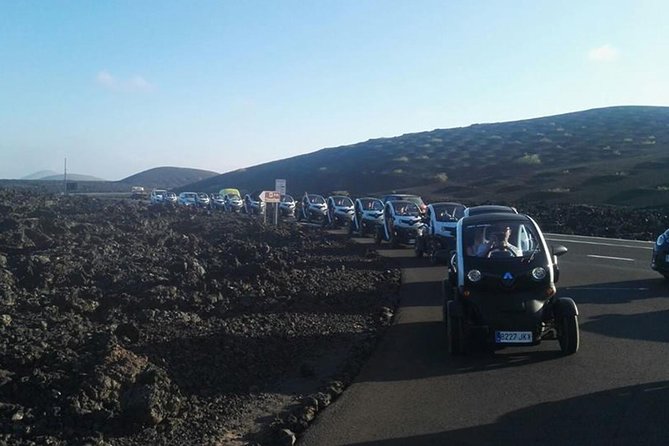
[441, 221]
[340, 211]
[400, 225]
[313, 209]
[501, 289]
[367, 215]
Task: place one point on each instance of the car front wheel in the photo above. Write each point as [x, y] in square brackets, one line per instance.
[569, 336]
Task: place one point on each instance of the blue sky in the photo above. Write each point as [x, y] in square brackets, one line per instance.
[118, 87]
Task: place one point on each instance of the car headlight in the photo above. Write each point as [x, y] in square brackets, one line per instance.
[661, 239]
[538, 273]
[474, 275]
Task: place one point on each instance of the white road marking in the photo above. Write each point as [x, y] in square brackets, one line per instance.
[612, 258]
[605, 289]
[598, 238]
[599, 243]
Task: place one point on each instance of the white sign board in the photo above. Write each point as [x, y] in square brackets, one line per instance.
[280, 186]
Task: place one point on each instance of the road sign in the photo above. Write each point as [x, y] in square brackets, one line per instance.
[270, 196]
[280, 186]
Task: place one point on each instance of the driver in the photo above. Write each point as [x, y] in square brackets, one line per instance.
[503, 243]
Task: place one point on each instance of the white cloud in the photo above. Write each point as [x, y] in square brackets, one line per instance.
[136, 83]
[604, 53]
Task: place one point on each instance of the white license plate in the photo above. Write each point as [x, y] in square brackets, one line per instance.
[513, 337]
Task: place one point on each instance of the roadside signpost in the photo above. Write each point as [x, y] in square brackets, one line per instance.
[274, 197]
[280, 186]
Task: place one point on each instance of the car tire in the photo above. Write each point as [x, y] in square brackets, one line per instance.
[418, 247]
[394, 243]
[378, 238]
[455, 333]
[569, 336]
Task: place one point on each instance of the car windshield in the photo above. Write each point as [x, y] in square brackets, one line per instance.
[405, 208]
[342, 201]
[316, 199]
[500, 239]
[287, 199]
[448, 212]
[372, 205]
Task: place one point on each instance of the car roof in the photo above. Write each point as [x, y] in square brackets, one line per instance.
[488, 208]
[400, 196]
[494, 217]
[446, 203]
[401, 203]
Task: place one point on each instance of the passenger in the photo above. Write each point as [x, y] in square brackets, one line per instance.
[473, 250]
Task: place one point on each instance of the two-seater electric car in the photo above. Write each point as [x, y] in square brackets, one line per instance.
[340, 211]
[501, 286]
[401, 223]
[367, 215]
[441, 221]
[313, 209]
[660, 258]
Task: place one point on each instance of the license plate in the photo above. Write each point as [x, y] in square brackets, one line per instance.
[513, 337]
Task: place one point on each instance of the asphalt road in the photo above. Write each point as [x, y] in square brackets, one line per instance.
[614, 391]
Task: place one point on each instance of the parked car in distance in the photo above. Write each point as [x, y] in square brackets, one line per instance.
[407, 197]
[170, 198]
[340, 210]
[232, 200]
[401, 223]
[187, 199]
[367, 215]
[660, 258]
[439, 231]
[501, 290]
[203, 200]
[313, 209]
[157, 196]
[138, 192]
[287, 206]
[253, 204]
[216, 201]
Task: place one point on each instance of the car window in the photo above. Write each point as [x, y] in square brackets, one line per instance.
[316, 199]
[404, 208]
[514, 239]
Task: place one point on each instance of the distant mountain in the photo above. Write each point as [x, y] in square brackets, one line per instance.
[71, 177]
[168, 177]
[39, 175]
[615, 155]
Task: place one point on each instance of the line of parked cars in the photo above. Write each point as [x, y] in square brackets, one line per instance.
[500, 286]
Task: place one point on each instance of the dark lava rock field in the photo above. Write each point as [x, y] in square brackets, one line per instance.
[126, 324]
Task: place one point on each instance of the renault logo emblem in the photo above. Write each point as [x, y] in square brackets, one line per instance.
[508, 279]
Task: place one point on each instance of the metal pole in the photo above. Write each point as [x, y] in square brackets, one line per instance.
[276, 214]
[65, 176]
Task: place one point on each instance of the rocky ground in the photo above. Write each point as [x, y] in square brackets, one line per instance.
[125, 324]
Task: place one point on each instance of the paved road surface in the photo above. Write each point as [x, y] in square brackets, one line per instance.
[614, 391]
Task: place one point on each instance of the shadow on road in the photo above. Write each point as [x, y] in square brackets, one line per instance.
[412, 351]
[650, 326]
[623, 416]
[617, 292]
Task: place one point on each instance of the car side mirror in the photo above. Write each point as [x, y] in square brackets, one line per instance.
[559, 250]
